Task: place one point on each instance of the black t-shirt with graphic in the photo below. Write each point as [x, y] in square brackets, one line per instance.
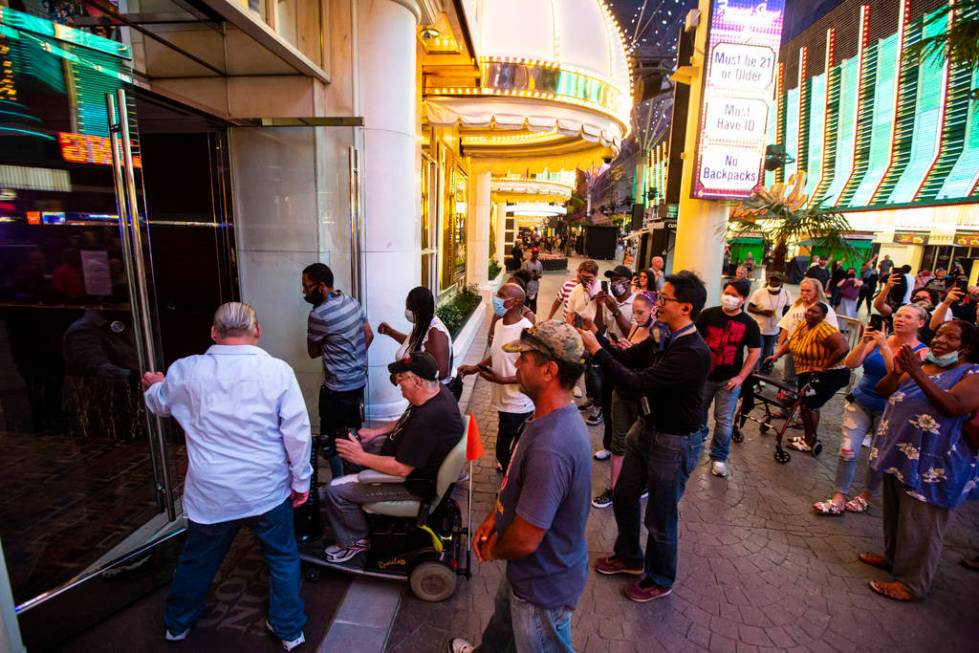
[727, 336]
[423, 437]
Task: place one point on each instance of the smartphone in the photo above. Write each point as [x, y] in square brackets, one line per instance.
[579, 322]
[485, 368]
[962, 284]
[876, 322]
[612, 336]
[605, 287]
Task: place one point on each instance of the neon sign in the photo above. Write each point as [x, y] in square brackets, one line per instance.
[83, 148]
[738, 84]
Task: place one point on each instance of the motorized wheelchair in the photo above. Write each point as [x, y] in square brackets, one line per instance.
[423, 542]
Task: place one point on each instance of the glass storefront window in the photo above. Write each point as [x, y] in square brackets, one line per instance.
[429, 217]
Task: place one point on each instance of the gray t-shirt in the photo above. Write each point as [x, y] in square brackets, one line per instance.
[548, 484]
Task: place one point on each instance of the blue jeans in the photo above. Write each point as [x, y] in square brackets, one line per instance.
[725, 405]
[767, 347]
[205, 548]
[522, 627]
[661, 463]
[857, 422]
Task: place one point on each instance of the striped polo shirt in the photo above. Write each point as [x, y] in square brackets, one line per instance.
[564, 293]
[338, 325]
[809, 348]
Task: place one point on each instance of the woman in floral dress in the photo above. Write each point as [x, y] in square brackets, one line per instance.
[929, 467]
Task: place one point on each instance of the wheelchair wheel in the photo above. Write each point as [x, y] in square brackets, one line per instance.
[737, 436]
[782, 456]
[432, 581]
[817, 448]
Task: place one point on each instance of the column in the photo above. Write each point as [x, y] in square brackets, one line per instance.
[477, 271]
[701, 224]
[501, 241]
[391, 248]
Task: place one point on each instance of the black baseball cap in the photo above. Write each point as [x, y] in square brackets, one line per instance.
[619, 271]
[419, 363]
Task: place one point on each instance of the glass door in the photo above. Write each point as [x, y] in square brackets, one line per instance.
[88, 501]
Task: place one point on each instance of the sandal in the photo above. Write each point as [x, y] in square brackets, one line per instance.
[828, 507]
[894, 590]
[875, 560]
[799, 444]
[857, 504]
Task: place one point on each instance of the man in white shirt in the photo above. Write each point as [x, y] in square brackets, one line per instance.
[767, 306]
[512, 406]
[587, 271]
[248, 450]
[658, 268]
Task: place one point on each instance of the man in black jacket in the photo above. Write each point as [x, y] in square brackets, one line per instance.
[818, 271]
[661, 455]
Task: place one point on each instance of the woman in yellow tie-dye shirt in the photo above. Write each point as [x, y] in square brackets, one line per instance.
[818, 350]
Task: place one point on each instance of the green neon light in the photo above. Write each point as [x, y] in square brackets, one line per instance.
[46, 28]
[817, 122]
[928, 110]
[846, 129]
[882, 122]
[792, 129]
[864, 127]
[28, 132]
[961, 179]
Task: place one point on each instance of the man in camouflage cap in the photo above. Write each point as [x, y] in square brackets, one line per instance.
[549, 479]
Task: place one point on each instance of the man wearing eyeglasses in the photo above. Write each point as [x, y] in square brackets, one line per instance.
[662, 454]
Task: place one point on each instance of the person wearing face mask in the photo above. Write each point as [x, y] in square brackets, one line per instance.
[728, 332]
[928, 461]
[582, 305]
[499, 367]
[338, 332]
[810, 292]
[615, 314]
[767, 305]
[849, 291]
[428, 334]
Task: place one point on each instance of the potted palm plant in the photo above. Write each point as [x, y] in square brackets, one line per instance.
[785, 216]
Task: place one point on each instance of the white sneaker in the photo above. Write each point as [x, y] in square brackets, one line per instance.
[179, 637]
[718, 468]
[287, 644]
[459, 645]
[602, 454]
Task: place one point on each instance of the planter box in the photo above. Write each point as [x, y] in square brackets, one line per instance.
[551, 264]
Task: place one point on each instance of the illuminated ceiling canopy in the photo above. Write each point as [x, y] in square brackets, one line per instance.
[553, 83]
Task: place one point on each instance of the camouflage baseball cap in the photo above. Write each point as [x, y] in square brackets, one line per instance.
[557, 340]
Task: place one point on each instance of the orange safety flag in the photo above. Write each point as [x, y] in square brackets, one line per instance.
[474, 446]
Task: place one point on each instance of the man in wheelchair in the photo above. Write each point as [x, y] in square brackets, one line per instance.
[412, 448]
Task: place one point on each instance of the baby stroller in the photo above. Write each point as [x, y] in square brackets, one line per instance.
[771, 393]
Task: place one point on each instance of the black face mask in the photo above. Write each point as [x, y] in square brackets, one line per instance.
[315, 298]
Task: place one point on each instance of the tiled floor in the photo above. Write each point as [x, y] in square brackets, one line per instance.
[758, 570]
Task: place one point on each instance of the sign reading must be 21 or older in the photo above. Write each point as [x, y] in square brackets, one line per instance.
[737, 95]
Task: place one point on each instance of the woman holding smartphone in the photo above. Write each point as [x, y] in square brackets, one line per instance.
[864, 406]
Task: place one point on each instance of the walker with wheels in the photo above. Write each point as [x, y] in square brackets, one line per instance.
[771, 394]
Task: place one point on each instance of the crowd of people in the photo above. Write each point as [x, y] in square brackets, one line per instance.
[643, 354]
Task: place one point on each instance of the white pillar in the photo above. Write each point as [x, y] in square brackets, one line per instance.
[478, 249]
[385, 65]
[501, 243]
[701, 224]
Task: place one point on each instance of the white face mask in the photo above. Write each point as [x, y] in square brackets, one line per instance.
[730, 302]
[410, 315]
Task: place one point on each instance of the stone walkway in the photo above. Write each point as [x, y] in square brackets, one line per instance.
[758, 570]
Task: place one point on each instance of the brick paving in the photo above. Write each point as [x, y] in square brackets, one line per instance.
[758, 570]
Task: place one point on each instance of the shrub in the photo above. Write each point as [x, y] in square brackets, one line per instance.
[457, 307]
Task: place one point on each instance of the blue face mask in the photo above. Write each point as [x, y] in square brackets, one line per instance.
[498, 306]
[946, 360]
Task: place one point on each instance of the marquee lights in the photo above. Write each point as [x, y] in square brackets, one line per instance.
[828, 71]
[862, 43]
[84, 148]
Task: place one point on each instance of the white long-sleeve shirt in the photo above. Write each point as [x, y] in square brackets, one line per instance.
[248, 437]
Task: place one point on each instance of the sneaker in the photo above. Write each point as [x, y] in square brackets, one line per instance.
[719, 468]
[595, 419]
[644, 591]
[603, 500]
[287, 644]
[612, 565]
[179, 637]
[586, 406]
[459, 645]
[339, 554]
[602, 454]
[644, 495]
[867, 440]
